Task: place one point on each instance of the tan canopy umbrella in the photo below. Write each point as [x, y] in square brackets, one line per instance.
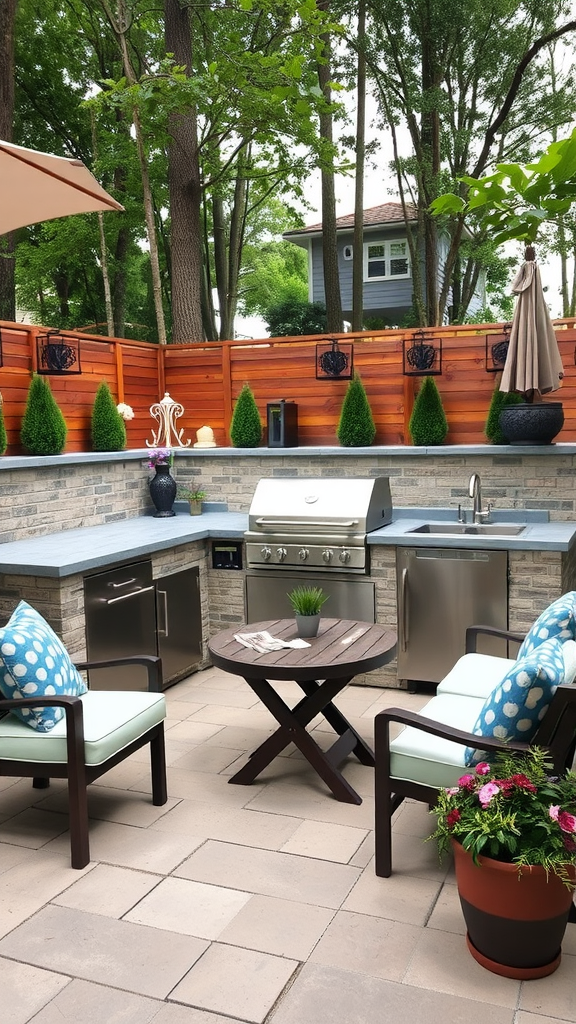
[533, 365]
[37, 186]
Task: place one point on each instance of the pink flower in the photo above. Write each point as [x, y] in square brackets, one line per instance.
[487, 792]
[553, 811]
[466, 782]
[483, 768]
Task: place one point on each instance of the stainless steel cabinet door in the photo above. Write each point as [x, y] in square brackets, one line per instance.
[179, 623]
[440, 592]
[120, 621]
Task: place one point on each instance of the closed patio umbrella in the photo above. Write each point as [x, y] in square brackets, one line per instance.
[533, 365]
[37, 186]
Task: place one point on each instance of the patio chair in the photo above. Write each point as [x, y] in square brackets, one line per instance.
[428, 755]
[99, 729]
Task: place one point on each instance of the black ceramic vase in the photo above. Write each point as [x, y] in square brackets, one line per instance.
[163, 491]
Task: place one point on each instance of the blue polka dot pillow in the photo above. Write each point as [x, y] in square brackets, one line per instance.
[558, 620]
[34, 662]
[517, 705]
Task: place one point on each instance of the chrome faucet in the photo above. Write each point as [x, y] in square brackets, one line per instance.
[479, 515]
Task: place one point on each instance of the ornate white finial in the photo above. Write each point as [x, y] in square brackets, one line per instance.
[167, 436]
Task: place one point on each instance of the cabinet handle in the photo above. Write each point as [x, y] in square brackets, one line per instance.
[404, 630]
[124, 583]
[126, 597]
[164, 595]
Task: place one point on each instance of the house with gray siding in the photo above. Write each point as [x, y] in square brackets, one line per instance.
[387, 271]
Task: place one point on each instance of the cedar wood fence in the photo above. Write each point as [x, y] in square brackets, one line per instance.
[206, 379]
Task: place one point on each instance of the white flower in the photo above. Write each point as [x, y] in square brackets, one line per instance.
[126, 411]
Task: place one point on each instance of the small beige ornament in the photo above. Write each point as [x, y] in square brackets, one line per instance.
[205, 438]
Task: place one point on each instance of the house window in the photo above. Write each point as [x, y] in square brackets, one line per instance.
[348, 252]
[383, 260]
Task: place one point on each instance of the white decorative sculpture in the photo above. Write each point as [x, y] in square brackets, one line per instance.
[205, 438]
[167, 435]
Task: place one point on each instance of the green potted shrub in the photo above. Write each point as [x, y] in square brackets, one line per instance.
[428, 424]
[356, 427]
[43, 430]
[246, 428]
[307, 603]
[194, 497]
[108, 427]
[499, 400]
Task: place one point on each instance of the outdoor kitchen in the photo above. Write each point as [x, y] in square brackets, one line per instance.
[375, 501]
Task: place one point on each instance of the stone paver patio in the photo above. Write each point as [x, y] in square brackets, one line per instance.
[256, 904]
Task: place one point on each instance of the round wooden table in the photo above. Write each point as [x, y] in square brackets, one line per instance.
[342, 649]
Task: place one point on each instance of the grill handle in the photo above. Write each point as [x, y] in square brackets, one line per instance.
[306, 523]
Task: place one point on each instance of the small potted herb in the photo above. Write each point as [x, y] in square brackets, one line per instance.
[194, 497]
[307, 603]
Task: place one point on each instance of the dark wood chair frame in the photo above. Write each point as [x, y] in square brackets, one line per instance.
[77, 773]
[556, 733]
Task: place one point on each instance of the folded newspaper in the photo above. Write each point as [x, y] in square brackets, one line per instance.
[264, 642]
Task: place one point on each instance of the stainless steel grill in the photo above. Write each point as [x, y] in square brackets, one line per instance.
[313, 524]
[313, 531]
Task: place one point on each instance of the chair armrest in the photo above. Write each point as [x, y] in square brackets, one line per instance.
[473, 632]
[74, 725]
[152, 664]
[447, 732]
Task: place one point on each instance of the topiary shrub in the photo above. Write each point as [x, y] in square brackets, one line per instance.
[428, 424]
[43, 430]
[108, 427]
[3, 435]
[356, 427]
[245, 428]
[500, 399]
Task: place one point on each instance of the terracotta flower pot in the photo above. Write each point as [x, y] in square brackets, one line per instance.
[515, 922]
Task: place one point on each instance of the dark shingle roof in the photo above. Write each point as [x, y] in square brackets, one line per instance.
[387, 213]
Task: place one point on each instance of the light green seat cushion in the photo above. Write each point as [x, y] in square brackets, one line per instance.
[112, 720]
[475, 675]
[428, 759]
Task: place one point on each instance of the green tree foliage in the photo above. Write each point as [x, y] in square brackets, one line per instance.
[296, 317]
[3, 435]
[499, 400]
[246, 428]
[108, 427]
[428, 424]
[43, 430]
[356, 427]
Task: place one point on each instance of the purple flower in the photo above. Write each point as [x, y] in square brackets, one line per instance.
[159, 457]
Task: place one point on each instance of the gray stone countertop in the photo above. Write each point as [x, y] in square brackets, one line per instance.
[538, 534]
[93, 547]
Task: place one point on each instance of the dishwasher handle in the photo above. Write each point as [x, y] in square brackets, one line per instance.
[126, 597]
[404, 616]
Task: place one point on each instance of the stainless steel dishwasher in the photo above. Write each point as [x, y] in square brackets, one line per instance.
[441, 591]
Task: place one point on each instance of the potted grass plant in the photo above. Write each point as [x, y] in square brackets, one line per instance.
[194, 496]
[512, 828]
[307, 602]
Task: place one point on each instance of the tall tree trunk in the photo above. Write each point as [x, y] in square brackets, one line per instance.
[429, 171]
[220, 256]
[7, 261]
[185, 191]
[235, 243]
[358, 243]
[334, 319]
[120, 25]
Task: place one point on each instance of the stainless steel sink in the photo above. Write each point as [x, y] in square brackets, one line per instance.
[470, 529]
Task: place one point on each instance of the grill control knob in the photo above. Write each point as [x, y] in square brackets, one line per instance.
[327, 555]
[303, 554]
[281, 554]
[344, 556]
[266, 554]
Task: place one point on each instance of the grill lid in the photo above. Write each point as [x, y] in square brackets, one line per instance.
[325, 506]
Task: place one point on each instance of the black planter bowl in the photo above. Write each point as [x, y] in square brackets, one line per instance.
[531, 422]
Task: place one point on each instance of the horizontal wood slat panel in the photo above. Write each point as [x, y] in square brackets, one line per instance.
[207, 378]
